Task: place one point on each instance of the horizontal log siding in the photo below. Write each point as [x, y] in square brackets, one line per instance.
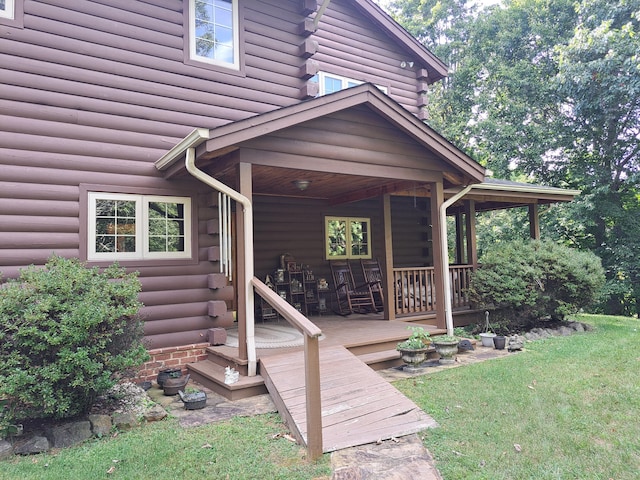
[95, 92]
[353, 47]
[296, 227]
[410, 223]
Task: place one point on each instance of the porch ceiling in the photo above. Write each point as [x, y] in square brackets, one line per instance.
[335, 188]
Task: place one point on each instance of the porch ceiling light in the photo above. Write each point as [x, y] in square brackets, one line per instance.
[301, 184]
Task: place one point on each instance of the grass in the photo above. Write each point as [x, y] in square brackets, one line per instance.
[566, 408]
[242, 448]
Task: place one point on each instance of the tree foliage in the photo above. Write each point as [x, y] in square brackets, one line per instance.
[526, 281]
[549, 92]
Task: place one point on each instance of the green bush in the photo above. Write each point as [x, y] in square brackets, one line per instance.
[526, 281]
[67, 334]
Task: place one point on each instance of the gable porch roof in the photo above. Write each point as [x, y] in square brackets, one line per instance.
[227, 138]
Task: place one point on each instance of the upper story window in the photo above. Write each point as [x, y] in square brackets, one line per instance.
[138, 227]
[7, 9]
[329, 83]
[347, 237]
[214, 32]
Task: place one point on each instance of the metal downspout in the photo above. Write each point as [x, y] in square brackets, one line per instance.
[444, 248]
[190, 164]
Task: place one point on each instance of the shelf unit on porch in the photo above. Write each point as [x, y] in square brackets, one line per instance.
[298, 286]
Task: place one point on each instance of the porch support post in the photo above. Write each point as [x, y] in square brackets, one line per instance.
[245, 188]
[460, 253]
[472, 244]
[534, 221]
[387, 271]
[437, 199]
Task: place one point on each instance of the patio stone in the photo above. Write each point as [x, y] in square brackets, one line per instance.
[404, 458]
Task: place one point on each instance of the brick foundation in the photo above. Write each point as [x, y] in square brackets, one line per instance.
[171, 357]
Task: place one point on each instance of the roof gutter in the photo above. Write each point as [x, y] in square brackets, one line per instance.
[187, 146]
[523, 188]
[444, 248]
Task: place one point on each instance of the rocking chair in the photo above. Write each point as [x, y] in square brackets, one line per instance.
[373, 276]
[351, 297]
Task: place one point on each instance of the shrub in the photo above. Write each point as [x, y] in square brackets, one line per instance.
[526, 281]
[67, 333]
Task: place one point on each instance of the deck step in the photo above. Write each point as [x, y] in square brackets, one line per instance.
[382, 359]
[211, 375]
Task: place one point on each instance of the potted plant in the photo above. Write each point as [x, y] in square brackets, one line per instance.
[193, 398]
[414, 349]
[446, 346]
[487, 335]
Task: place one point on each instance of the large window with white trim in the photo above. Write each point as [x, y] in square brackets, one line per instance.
[7, 9]
[138, 227]
[330, 83]
[347, 237]
[214, 32]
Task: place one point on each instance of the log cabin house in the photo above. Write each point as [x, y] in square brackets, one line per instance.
[200, 142]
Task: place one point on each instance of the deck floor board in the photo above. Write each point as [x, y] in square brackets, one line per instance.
[358, 406]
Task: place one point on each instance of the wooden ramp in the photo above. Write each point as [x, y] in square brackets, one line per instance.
[358, 406]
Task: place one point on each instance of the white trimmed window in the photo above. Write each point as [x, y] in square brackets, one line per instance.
[7, 9]
[135, 227]
[329, 83]
[347, 237]
[214, 32]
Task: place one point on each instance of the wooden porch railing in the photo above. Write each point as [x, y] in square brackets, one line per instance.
[311, 335]
[415, 288]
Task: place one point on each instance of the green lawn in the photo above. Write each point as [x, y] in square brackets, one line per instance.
[566, 408]
[243, 448]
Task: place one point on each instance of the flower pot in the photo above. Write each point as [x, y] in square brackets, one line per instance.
[172, 386]
[487, 339]
[447, 350]
[167, 373]
[499, 342]
[193, 401]
[413, 358]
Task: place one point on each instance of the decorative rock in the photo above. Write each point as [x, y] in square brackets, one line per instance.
[124, 421]
[516, 342]
[565, 331]
[155, 413]
[577, 326]
[100, 425]
[6, 450]
[69, 434]
[32, 445]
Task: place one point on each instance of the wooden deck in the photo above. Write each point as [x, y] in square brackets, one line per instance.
[358, 406]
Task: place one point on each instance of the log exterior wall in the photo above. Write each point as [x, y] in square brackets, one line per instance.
[93, 93]
[296, 227]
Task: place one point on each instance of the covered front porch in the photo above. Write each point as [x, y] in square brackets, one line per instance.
[353, 155]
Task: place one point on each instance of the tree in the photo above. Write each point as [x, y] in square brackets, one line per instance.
[599, 80]
[548, 91]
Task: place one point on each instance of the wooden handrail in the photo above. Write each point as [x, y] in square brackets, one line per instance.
[311, 335]
[284, 308]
